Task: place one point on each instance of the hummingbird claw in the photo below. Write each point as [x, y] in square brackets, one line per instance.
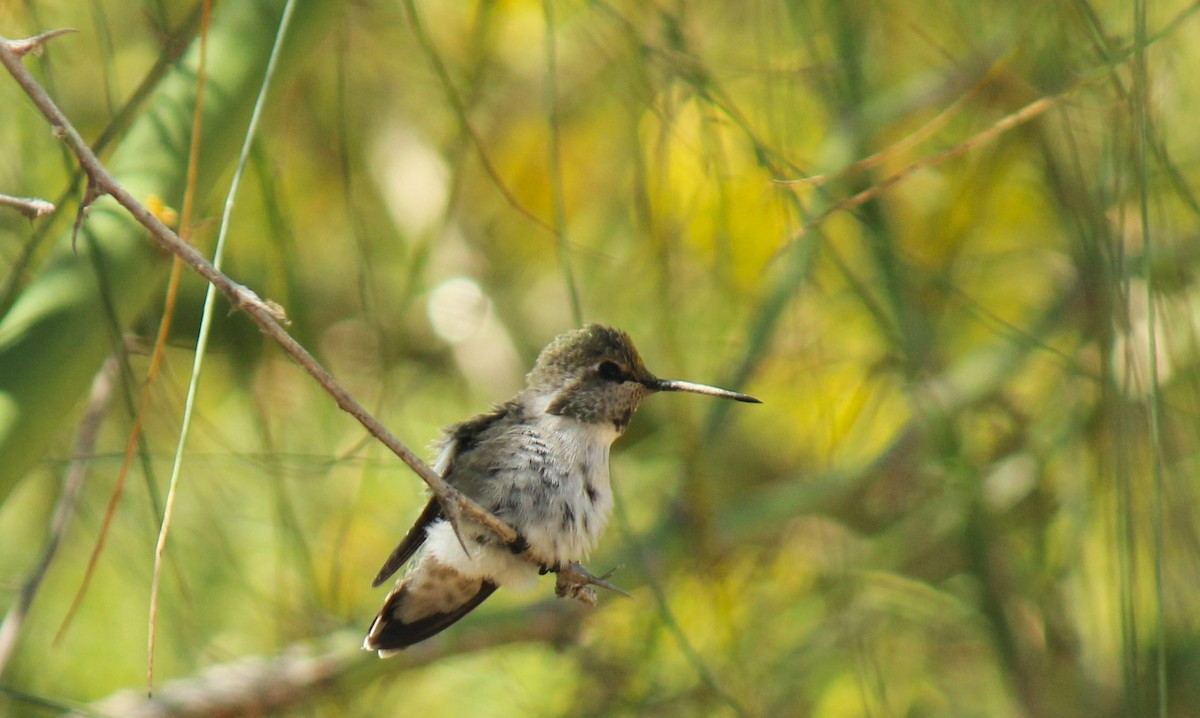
[584, 594]
[452, 515]
[520, 546]
[461, 541]
[575, 581]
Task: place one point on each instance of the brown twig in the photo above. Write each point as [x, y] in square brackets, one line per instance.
[902, 145]
[265, 313]
[1006, 123]
[31, 207]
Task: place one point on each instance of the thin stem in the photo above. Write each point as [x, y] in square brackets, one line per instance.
[667, 616]
[1006, 123]
[1141, 108]
[205, 323]
[85, 441]
[460, 111]
[556, 180]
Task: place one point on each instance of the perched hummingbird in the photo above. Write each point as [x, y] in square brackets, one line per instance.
[539, 462]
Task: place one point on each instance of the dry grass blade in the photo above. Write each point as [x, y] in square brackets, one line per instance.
[1020, 117]
[904, 144]
[85, 442]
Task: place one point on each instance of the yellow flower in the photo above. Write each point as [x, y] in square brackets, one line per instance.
[159, 209]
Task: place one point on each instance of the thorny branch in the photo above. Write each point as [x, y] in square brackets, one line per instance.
[34, 44]
[266, 314]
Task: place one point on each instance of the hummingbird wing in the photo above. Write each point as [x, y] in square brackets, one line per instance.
[428, 600]
[410, 543]
[461, 439]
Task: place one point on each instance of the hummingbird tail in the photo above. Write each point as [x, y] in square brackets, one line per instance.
[425, 602]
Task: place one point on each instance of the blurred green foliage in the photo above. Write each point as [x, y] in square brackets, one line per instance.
[966, 493]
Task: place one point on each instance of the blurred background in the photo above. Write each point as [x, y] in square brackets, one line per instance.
[951, 245]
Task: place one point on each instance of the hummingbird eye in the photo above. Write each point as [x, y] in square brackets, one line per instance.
[610, 371]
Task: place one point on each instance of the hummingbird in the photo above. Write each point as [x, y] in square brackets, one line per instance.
[539, 462]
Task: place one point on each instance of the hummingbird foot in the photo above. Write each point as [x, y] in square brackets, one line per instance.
[575, 581]
[458, 508]
[520, 545]
[454, 514]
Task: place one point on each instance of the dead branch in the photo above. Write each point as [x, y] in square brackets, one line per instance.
[258, 685]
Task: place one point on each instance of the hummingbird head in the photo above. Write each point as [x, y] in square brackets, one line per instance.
[595, 375]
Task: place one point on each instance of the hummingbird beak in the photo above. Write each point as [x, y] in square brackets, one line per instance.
[694, 388]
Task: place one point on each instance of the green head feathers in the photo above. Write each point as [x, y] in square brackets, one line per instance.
[595, 375]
